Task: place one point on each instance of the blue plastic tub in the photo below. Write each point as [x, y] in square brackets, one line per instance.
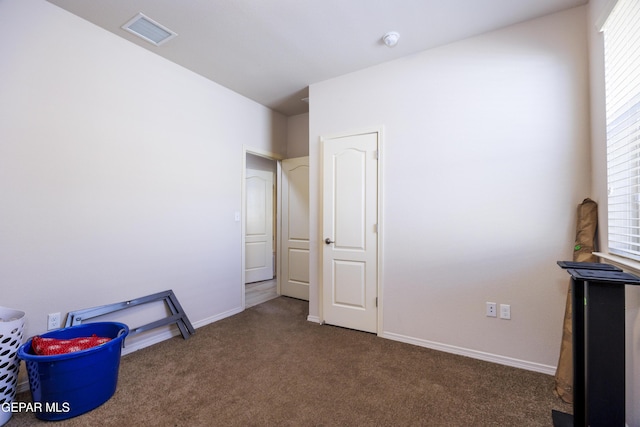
[67, 385]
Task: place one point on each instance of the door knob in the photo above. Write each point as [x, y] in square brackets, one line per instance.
[328, 241]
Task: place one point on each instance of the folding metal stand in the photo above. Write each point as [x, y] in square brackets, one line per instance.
[178, 316]
[598, 344]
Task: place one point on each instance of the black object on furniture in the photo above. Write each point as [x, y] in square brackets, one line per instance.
[588, 265]
[598, 344]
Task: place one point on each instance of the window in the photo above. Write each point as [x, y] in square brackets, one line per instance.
[622, 82]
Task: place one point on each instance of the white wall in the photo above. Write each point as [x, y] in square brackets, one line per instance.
[260, 163]
[298, 136]
[120, 172]
[485, 158]
[598, 9]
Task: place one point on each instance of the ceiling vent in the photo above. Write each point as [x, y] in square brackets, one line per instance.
[148, 29]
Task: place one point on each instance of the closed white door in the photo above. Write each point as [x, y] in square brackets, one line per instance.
[349, 227]
[294, 259]
[259, 226]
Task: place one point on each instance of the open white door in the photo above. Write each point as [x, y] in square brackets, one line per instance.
[294, 244]
[349, 222]
[259, 226]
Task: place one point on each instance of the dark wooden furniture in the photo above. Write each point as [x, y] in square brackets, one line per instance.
[598, 344]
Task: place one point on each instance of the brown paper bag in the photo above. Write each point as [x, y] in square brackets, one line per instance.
[584, 246]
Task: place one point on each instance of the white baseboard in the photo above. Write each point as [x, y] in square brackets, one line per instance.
[475, 354]
[165, 335]
[314, 319]
[213, 319]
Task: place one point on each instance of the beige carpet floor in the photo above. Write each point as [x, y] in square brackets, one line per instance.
[269, 366]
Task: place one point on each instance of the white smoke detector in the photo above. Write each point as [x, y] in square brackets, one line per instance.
[391, 38]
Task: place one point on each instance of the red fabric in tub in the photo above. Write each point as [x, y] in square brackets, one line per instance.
[51, 346]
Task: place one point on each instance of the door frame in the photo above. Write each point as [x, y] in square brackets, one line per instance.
[379, 211]
[243, 215]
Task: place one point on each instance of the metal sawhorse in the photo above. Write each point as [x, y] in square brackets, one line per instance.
[178, 316]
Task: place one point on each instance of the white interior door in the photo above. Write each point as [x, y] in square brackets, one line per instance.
[259, 226]
[349, 223]
[294, 259]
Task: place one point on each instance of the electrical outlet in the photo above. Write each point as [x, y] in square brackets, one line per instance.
[492, 310]
[53, 321]
[505, 311]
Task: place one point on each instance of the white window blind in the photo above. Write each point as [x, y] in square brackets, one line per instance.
[622, 80]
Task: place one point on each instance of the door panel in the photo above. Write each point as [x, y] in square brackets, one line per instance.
[349, 284]
[295, 228]
[259, 226]
[299, 265]
[350, 203]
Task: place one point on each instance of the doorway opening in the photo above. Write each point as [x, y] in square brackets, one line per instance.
[275, 227]
[259, 228]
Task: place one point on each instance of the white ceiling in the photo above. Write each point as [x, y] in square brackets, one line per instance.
[272, 50]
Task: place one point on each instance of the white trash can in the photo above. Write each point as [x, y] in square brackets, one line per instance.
[11, 327]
